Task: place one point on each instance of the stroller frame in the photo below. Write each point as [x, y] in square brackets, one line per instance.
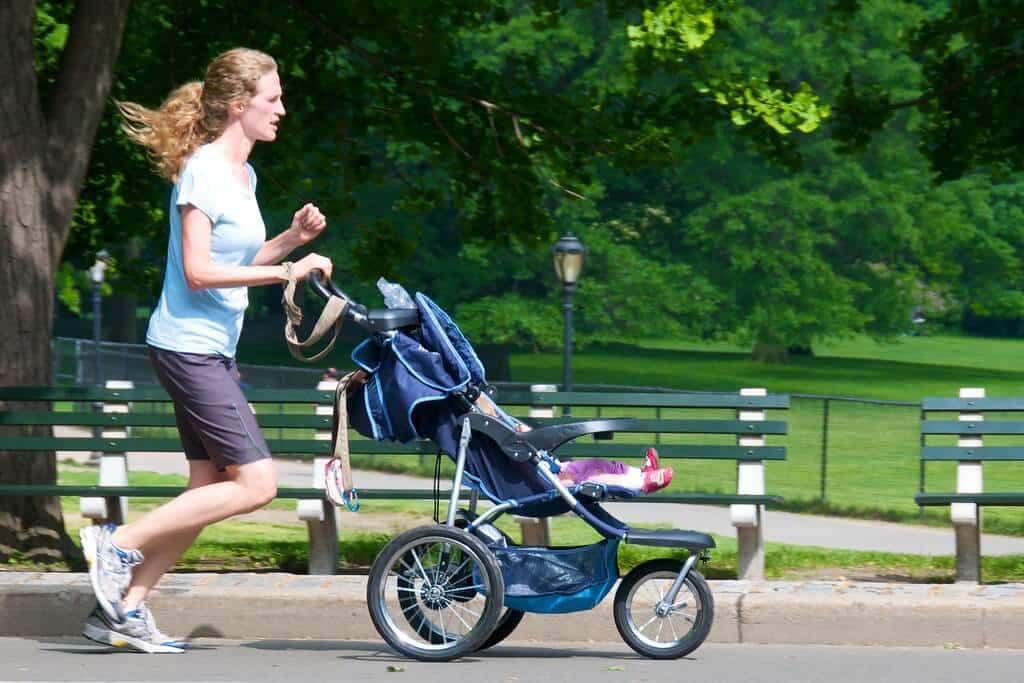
[452, 568]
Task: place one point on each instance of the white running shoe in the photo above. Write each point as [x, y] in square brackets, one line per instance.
[110, 568]
[136, 632]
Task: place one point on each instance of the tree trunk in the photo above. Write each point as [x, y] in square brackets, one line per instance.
[43, 161]
[768, 352]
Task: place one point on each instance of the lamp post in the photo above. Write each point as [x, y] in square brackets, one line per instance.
[96, 273]
[567, 254]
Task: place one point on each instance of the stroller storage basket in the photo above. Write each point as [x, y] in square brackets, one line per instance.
[558, 580]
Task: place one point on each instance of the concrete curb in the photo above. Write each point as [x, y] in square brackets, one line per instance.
[284, 606]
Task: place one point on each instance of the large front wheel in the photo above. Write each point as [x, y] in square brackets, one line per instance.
[435, 593]
[655, 628]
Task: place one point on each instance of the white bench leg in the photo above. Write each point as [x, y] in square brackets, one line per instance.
[321, 519]
[750, 548]
[113, 466]
[113, 472]
[968, 552]
[537, 531]
[323, 540]
[749, 519]
[966, 517]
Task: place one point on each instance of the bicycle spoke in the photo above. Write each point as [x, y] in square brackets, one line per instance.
[648, 622]
[419, 564]
[457, 616]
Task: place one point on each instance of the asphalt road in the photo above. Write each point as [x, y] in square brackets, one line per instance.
[308, 661]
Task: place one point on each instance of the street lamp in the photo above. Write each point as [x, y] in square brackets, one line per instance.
[567, 254]
[96, 275]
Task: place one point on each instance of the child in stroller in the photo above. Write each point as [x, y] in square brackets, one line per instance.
[647, 478]
[441, 591]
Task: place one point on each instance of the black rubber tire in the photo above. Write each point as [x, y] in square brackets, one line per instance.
[511, 617]
[444, 649]
[689, 641]
[508, 622]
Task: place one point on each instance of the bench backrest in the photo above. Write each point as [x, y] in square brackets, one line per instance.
[621, 404]
[970, 427]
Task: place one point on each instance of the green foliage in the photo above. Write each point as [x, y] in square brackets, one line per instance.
[451, 142]
[972, 67]
[674, 29]
[511, 319]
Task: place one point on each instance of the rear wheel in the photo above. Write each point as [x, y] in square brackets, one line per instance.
[435, 593]
[674, 630]
[510, 618]
[506, 624]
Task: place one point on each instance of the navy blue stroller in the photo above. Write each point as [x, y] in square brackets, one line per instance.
[442, 591]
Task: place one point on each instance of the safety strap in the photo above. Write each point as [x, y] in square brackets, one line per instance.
[346, 494]
[332, 315]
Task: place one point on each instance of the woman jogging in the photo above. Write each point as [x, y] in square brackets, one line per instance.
[200, 139]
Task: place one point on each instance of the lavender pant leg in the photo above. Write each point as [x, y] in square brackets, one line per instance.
[582, 470]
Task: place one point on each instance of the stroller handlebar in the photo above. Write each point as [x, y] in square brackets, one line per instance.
[371, 320]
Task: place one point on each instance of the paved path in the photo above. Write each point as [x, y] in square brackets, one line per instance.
[780, 527]
[51, 659]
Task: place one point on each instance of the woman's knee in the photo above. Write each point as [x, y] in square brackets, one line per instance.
[259, 479]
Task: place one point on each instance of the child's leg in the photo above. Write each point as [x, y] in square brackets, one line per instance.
[578, 471]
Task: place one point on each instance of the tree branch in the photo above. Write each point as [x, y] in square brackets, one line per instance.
[383, 68]
[1009, 65]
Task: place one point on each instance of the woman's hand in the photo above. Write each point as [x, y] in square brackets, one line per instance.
[309, 262]
[307, 224]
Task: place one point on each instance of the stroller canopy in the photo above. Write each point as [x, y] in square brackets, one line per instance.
[413, 377]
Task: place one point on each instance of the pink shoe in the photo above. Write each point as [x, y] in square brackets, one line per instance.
[657, 479]
[650, 460]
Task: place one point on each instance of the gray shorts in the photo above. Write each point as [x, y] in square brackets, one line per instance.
[213, 416]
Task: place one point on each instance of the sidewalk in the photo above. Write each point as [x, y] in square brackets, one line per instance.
[284, 606]
[780, 527]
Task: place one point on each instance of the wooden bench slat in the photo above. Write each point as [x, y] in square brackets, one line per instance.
[937, 453]
[647, 400]
[673, 451]
[311, 421]
[142, 445]
[973, 405]
[675, 426]
[367, 447]
[150, 419]
[979, 498]
[149, 394]
[972, 428]
[368, 494]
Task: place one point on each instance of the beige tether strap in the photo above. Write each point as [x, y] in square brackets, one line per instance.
[331, 316]
[347, 494]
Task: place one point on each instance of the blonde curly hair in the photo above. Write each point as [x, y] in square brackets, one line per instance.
[195, 113]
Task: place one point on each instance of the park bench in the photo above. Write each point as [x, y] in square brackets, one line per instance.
[970, 427]
[117, 413]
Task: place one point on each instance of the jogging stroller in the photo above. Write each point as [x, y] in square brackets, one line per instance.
[441, 591]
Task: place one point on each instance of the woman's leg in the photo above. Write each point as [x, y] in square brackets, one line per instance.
[160, 559]
[247, 488]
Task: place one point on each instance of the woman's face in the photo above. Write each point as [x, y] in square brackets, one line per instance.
[260, 115]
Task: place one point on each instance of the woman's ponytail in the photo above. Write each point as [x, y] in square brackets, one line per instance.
[170, 133]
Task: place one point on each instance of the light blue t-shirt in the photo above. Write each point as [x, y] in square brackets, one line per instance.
[208, 320]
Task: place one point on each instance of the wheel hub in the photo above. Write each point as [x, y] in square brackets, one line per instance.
[433, 596]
